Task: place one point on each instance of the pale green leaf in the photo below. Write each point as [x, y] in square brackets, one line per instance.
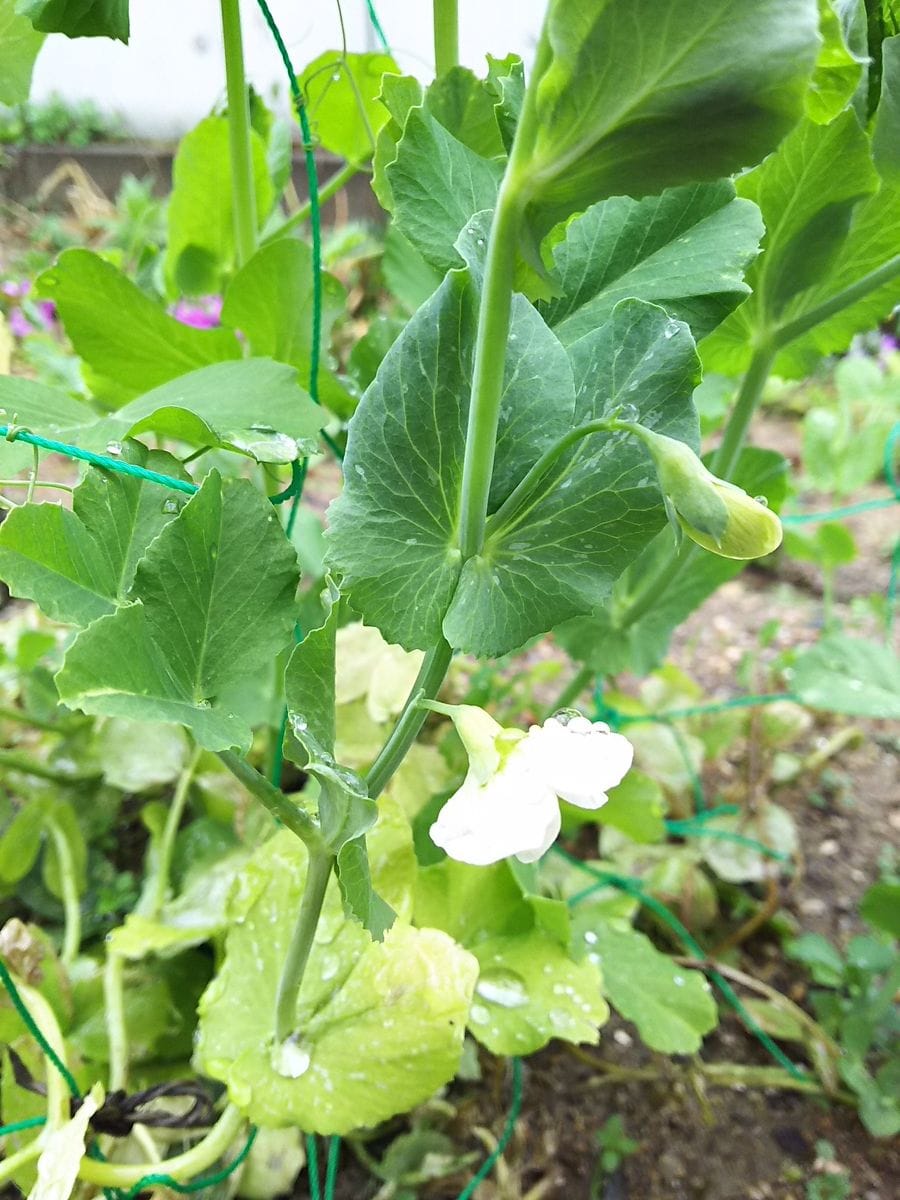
[686, 250]
[20, 42]
[630, 100]
[270, 300]
[79, 18]
[40, 409]
[212, 597]
[139, 756]
[849, 675]
[886, 135]
[731, 844]
[254, 407]
[529, 990]
[201, 248]
[671, 1006]
[79, 564]
[342, 93]
[839, 70]
[57, 1168]
[380, 1026]
[129, 341]
[636, 808]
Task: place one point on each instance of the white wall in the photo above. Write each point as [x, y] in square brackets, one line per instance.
[171, 73]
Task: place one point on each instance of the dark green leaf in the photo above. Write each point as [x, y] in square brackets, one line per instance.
[686, 250]
[212, 597]
[79, 18]
[880, 906]
[467, 107]
[629, 102]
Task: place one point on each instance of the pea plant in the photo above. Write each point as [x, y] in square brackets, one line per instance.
[671, 185]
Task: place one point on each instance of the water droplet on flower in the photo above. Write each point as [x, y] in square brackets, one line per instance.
[502, 987]
[114, 448]
[761, 500]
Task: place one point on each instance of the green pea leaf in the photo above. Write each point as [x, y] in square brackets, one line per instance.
[40, 409]
[671, 1006]
[849, 675]
[708, 90]
[839, 68]
[79, 564]
[129, 342]
[467, 107]
[816, 198]
[529, 988]
[437, 184]
[210, 407]
[342, 93]
[79, 18]
[201, 249]
[21, 841]
[880, 906]
[20, 42]
[189, 633]
[686, 250]
[380, 1025]
[636, 807]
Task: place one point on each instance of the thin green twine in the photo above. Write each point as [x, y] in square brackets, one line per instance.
[376, 25]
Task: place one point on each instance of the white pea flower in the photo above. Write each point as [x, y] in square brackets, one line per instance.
[369, 666]
[509, 801]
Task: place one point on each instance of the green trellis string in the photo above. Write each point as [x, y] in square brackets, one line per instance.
[376, 25]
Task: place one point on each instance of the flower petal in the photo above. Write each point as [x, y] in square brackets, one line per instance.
[579, 761]
[513, 813]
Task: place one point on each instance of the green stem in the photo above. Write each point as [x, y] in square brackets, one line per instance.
[21, 1158]
[528, 485]
[446, 35]
[850, 295]
[654, 588]
[426, 687]
[170, 831]
[71, 901]
[117, 1034]
[751, 390]
[317, 876]
[335, 184]
[25, 718]
[490, 362]
[573, 689]
[243, 192]
[281, 807]
[13, 761]
[182, 1167]
[27, 483]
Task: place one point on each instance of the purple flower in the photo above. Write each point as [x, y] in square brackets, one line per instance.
[14, 290]
[46, 313]
[19, 325]
[204, 313]
[889, 344]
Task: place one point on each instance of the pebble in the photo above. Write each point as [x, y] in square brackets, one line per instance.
[813, 906]
[623, 1038]
[829, 847]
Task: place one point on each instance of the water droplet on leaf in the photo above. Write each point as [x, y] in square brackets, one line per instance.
[114, 448]
[502, 987]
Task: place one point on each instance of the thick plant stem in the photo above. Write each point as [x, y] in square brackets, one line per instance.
[446, 35]
[182, 1168]
[69, 887]
[404, 733]
[487, 378]
[170, 831]
[317, 875]
[243, 192]
[21, 1158]
[573, 689]
[281, 807]
[748, 398]
[114, 1003]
